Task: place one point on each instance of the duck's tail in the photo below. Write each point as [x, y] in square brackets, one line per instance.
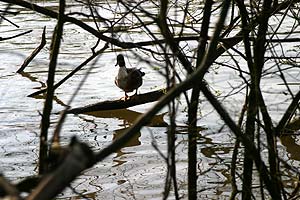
[142, 73]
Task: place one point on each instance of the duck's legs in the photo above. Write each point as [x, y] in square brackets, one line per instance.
[126, 96]
[135, 92]
[133, 96]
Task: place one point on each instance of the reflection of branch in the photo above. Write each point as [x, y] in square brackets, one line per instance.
[34, 53]
[14, 36]
[6, 11]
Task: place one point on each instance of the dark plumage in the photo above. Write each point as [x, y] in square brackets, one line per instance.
[128, 79]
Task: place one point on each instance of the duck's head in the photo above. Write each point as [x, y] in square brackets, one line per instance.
[120, 60]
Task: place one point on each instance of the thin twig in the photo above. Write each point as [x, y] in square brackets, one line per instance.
[15, 36]
[34, 53]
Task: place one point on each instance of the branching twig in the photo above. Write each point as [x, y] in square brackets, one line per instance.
[73, 72]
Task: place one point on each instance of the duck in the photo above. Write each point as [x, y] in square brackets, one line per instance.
[128, 79]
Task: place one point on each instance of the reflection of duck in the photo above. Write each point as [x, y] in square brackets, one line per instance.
[128, 79]
[291, 145]
[290, 138]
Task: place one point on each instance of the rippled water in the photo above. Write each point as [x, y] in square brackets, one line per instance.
[136, 171]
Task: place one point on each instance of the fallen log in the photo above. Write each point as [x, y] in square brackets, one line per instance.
[120, 104]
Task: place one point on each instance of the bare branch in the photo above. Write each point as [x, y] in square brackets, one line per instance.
[34, 53]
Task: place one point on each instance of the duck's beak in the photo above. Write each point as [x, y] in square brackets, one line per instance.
[117, 63]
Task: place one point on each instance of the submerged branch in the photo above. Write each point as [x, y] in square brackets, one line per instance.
[119, 104]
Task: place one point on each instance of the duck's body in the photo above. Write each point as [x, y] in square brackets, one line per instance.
[128, 79]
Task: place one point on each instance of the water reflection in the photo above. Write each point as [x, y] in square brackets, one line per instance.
[137, 161]
[134, 141]
[33, 79]
[129, 116]
[291, 142]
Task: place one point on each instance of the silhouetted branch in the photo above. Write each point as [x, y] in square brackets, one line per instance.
[72, 73]
[78, 156]
[34, 53]
[15, 36]
[6, 11]
[129, 45]
[45, 123]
